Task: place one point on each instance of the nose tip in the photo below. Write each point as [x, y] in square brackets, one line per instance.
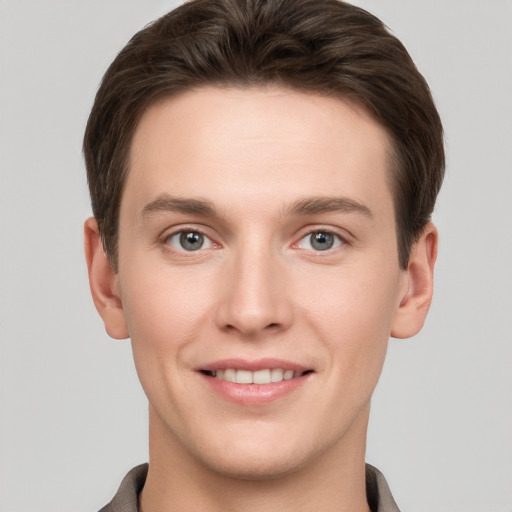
[254, 301]
[252, 324]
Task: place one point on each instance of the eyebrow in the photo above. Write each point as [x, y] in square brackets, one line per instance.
[166, 203]
[302, 207]
[320, 204]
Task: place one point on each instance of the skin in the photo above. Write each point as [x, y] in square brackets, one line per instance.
[257, 289]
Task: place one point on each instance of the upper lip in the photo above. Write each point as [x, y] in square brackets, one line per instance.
[254, 365]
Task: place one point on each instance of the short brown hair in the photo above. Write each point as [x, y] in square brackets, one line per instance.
[330, 48]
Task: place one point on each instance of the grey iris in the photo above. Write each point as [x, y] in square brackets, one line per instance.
[191, 240]
[322, 241]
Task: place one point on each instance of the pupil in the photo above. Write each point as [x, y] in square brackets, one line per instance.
[191, 241]
[322, 241]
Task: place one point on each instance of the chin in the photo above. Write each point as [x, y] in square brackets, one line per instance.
[261, 466]
[273, 454]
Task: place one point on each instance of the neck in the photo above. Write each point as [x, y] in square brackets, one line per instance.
[334, 481]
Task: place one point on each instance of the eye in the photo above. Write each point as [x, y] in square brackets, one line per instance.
[189, 241]
[320, 241]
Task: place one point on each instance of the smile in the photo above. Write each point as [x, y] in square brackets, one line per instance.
[254, 383]
[264, 376]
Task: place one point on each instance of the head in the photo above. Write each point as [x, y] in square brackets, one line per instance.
[329, 48]
[262, 176]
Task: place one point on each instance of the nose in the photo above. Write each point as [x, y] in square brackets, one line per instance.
[253, 299]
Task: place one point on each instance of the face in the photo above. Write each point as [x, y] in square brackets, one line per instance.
[258, 275]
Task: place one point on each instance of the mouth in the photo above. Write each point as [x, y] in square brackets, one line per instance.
[254, 383]
[263, 376]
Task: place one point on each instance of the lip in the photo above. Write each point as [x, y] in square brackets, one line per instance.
[253, 394]
[253, 366]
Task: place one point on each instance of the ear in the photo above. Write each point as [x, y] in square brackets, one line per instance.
[104, 283]
[417, 296]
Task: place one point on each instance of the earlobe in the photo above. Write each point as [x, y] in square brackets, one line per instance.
[415, 301]
[104, 283]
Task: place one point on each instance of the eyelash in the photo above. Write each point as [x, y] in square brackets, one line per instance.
[167, 238]
[337, 240]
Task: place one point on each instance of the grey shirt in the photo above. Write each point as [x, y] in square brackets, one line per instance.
[127, 497]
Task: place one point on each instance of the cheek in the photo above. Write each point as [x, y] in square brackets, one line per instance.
[353, 319]
[165, 309]
[358, 299]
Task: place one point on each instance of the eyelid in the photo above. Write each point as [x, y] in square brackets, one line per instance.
[206, 242]
[342, 239]
[178, 230]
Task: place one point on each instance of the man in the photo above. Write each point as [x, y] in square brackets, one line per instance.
[262, 175]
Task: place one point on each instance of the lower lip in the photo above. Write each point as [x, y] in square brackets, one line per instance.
[254, 394]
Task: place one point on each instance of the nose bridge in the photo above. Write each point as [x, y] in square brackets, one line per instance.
[254, 297]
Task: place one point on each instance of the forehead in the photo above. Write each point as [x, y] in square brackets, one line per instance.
[226, 140]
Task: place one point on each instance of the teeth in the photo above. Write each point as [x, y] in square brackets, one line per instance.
[230, 375]
[259, 377]
[243, 377]
[276, 375]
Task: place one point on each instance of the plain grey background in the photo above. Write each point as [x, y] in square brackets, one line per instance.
[441, 427]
